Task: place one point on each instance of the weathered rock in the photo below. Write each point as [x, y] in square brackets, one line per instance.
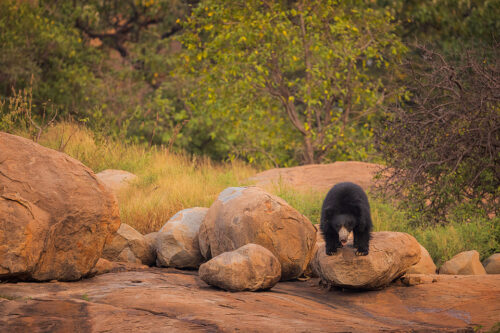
[55, 215]
[425, 265]
[464, 263]
[104, 266]
[177, 241]
[251, 267]
[129, 245]
[492, 264]
[116, 180]
[169, 300]
[243, 215]
[391, 254]
[416, 279]
[312, 269]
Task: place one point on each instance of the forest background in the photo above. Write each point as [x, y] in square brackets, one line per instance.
[413, 85]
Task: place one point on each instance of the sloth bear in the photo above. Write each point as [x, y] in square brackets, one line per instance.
[346, 209]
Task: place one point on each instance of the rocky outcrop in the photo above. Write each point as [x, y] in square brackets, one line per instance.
[176, 243]
[169, 300]
[464, 263]
[425, 265]
[492, 264]
[116, 180]
[251, 267]
[55, 215]
[129, 245]
[391, 254]
[243, 215]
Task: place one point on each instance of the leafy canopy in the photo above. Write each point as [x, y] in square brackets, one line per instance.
[308, 71]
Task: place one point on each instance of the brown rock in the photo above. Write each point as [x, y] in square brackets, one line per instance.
[320, 177]
[55, 215]
[425, 265]
[492, 264]
[243, 215]
[177, 241]
[104, 266]
[129, 245]
[116, 180]
[416, 279]
[169, 300]
[251, 267]
[464, 263]
[391, 254]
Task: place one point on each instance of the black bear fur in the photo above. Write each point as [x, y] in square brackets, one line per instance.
[346, 204]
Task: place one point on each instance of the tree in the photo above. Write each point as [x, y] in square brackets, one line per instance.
[315, 66]
[442, 144]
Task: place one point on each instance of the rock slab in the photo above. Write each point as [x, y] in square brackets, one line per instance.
[129, 245]
[492, 264]
[251, 267]
[243, 215]
[176, 243]
[425, 265]
[55, 215]
[391, 254]
[464, 263]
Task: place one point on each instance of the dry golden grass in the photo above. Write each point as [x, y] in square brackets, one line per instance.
[167, 182]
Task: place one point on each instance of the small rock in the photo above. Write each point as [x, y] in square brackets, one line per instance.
[464, 263]
[391, 254]
[492, 264]
[177, 241]
[251, 267]
[243, 215]
[129, 245]
[425, 265]
[415, 279]
[116, 180]
[104, 266]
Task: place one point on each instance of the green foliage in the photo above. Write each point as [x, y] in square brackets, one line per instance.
[33, 44]
[447, 24]
[303, 76]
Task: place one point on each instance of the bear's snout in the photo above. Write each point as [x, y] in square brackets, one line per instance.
[343, 235]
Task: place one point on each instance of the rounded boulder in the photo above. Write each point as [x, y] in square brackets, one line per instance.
[425, 265]
[492, 264]
[243, 215]
[176, 243]
[390, 256]
[129, 245]
[251, 267]
[464, 263]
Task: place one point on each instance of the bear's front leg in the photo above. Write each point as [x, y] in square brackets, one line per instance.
[332, 242]
[361, 242]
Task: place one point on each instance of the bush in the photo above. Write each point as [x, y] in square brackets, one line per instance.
[442, 145]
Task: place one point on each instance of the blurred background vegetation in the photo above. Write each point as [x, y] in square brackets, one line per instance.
[410, 84]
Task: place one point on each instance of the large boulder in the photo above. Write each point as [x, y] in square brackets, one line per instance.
[243, 215]
[129, 245]
[464, 263]
[55, 215]
[116, 180]
[251, 267]
[176, 243]
[492, 264]
[391, 254]
[425, 265]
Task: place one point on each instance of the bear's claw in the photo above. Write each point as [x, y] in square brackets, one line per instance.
[361, 253]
